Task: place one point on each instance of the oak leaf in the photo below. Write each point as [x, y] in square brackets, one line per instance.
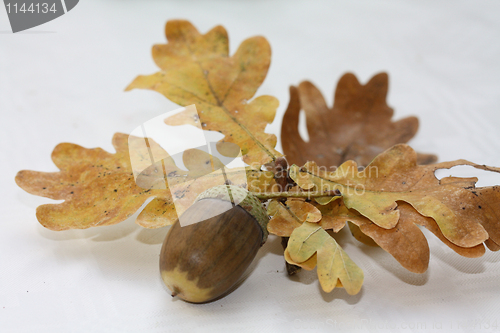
[360, 236]
[99, 187]
[464, 217]
[333, 264]
[286, 217]
[308, 265]
[405, 242]
[197, 69]
[335, 215]
[358, 127]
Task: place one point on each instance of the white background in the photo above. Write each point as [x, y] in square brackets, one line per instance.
[63, 82]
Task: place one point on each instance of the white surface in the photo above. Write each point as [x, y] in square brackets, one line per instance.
[64, 81]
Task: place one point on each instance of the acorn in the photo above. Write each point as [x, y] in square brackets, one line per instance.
[202, 261]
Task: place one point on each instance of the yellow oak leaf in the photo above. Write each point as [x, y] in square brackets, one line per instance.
[333, 264]
[197, 69]
[98, 188]
[308, 265]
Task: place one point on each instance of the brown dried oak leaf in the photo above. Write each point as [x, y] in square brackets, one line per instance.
[98, 188]
[197, 69]
[358, 127]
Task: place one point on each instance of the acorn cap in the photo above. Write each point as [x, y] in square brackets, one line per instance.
[242, 198]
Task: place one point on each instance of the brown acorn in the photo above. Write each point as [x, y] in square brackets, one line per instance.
[200, 262]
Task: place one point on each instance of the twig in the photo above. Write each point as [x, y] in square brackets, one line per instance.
[307, 195]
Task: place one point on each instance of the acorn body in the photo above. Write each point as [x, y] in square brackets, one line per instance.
[202, 261]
